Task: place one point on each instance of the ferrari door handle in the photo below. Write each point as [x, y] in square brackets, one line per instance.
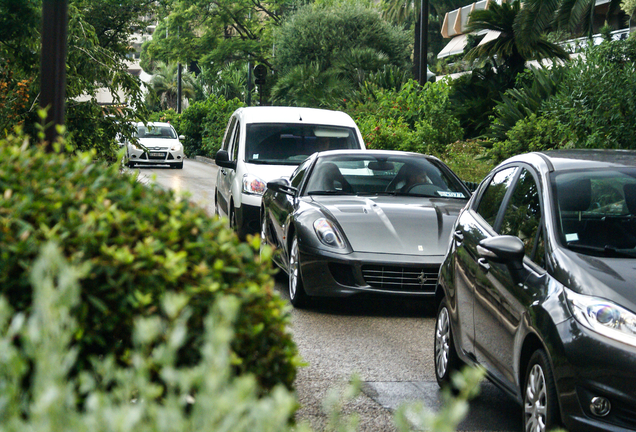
[483, 263]
[458, 235]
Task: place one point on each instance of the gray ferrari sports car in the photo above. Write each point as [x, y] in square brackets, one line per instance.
[373, 221]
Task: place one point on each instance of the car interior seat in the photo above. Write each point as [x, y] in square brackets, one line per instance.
[331, 179]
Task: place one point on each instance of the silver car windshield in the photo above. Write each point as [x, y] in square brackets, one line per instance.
[366, 174]
[156, 132]
[290, 144]
[596, 211]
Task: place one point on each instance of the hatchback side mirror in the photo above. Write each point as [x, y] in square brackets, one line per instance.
[282, 185]
[505, 249]
[222, 159]
[181, 137]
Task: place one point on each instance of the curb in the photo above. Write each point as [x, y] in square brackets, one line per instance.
[204, 159]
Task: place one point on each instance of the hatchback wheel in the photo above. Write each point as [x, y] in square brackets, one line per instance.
[297, 294]
[540, 409]
[446, 359]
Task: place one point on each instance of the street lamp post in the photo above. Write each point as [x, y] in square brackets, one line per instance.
[422, 70]
[53, 66]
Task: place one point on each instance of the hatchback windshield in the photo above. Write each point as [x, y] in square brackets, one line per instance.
[286, 144]
[366, 174]
[597, 211]
[156, 132]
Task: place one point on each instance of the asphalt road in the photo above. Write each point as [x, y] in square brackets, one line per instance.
[386, 342]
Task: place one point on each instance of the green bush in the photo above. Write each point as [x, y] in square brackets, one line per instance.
[597, 98]
[413, 118]
[204, 396]
[38, 353]
[219, 112]
[140, 242]
[534, 133]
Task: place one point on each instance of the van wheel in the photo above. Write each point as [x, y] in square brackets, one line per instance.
[540, 408]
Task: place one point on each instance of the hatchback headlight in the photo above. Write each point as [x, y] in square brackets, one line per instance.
[176, 147]
[328, 233]
[253, 185]
[603, 316]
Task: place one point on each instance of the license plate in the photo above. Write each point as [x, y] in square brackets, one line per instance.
[156, 154]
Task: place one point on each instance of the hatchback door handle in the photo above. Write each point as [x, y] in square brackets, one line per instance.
[458, 235]
[483, 263]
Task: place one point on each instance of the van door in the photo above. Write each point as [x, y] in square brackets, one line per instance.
[226, 175]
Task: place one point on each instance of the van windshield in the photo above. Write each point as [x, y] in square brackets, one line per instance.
[285, 144]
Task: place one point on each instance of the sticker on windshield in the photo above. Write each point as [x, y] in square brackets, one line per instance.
[447, 194]
[255, 156]
[571, 237]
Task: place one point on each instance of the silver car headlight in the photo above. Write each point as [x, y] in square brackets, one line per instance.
[603, 316]
[253, 185]
[328, 233]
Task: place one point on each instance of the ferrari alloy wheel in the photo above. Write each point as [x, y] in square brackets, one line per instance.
[446, 358]
[297, 294]
[539, 395]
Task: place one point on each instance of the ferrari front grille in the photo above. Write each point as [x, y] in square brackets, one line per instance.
[403, 279]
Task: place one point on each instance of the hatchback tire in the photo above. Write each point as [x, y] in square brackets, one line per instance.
[297, 295]
[446, 359]
[540, 408]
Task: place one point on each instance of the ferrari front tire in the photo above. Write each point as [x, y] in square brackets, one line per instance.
[297, 295]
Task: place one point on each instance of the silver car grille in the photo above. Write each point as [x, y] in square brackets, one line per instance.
[404, 279]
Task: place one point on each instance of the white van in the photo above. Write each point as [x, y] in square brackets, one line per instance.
[264, 143]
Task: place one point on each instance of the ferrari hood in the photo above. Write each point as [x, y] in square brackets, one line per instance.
[394, 225]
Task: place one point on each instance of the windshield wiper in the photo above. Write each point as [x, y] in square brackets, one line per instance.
[606, 250]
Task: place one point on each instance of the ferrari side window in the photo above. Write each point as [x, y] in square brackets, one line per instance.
[494, 194]
[522, 217]
[298, 175]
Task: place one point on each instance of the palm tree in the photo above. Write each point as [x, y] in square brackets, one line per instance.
[510, 51]
[538, 16]
[164, 83]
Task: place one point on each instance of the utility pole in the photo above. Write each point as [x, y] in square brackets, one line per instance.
[53, 66]
[423, 42]
[179, 68]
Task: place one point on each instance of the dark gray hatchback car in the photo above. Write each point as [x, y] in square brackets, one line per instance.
[539, 288]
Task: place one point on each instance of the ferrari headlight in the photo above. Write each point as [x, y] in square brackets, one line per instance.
[176, 147]
[328, 233]
[253, 185]
[603, 316]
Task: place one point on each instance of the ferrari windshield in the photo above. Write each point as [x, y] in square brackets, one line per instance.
[290, 144]
[374, 174]
[596, 211]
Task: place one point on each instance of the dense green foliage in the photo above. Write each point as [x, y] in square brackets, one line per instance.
[139, 243]
[38, 353]
[588, 103]
[98, 44]
[327, 50]
[413, 118]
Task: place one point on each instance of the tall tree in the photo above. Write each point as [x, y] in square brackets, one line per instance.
[164, 83]
[509, 51]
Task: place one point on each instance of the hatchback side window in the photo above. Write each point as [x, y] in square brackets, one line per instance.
[523, 216]
[494, 194]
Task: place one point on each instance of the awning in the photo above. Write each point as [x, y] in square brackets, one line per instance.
[490, 36]
[455, 46]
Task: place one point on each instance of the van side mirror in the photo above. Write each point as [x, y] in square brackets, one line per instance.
[222, 159]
